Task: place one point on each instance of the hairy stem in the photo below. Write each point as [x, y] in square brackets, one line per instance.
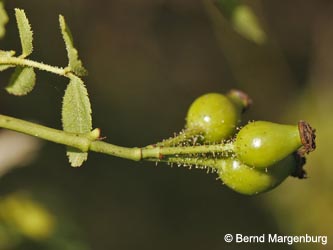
[183, 136]
[160, 152]
[17, 61]
[191, 162]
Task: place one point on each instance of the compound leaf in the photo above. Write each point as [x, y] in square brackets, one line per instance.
[24, 31]
[75, 64]
[76, 116]
[22, 81]
[3, 19]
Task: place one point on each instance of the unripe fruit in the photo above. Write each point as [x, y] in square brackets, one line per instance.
[217, 115]
[250, 181]
[261, 144]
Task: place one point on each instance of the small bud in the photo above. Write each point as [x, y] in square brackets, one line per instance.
[95, 134]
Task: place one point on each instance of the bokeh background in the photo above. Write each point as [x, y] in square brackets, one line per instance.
[147, 61]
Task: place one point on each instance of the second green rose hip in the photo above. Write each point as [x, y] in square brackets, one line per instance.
[261, 144]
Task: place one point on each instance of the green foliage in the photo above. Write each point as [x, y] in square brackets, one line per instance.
[22, 81]
[25, 32]
[76, 116]
[24, 78]
[76, 111]
[3, 19]
[75, 64]
[6, 54]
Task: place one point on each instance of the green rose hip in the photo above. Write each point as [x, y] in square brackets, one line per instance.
[250, 181]
[217, 115]
[261, 144]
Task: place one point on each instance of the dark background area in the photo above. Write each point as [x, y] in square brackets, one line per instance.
[147, 61]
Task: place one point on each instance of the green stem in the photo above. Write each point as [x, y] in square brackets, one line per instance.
[46, 133]
[191, 162]
[17, 61]
[183, 136]
[86, 142]
[110, 149]
[160, 152]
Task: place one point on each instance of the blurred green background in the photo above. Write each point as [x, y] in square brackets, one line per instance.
[147, 61]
